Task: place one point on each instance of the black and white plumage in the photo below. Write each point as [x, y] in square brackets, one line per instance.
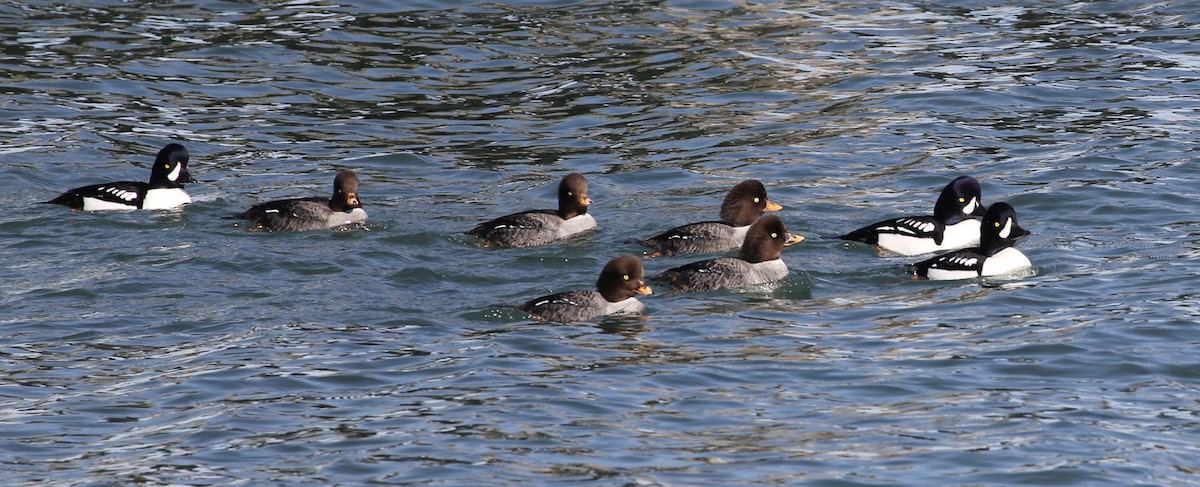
[758, 262]
[316, 213]
[994, 256]
[540, 227]
[620, 281]
[743, 205]
[952, 226]
[165, 189]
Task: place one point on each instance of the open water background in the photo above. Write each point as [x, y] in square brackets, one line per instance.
[178, 348]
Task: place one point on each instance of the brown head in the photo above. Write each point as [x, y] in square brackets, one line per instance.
[766, 239]
[621, 279]
[745, 203]
[345, 192]
[573, 196]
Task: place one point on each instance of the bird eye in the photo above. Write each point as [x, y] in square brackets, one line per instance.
[996, 224]
[756, 200]
[625, 277]
[166, 166]
[962, 200]
[774, 235]
[570, 193]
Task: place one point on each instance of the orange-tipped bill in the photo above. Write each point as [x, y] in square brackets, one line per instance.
[772, 206]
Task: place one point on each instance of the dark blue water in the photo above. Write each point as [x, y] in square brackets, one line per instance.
[179, 348]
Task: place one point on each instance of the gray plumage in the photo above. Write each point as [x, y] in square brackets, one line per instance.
[578, 306]
[619, 281]
[700, 237]
[532, 228]
[743, 205]
[758, 262]
[539, 227]
[303, 214]
[724, 272]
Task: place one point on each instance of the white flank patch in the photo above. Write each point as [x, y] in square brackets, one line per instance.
[949, 275]
[93, 204]
[1006, 261]
[961, 235]
[164, 198]
[907, 244]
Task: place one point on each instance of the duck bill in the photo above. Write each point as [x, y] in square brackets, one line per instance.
[772, 206]
[585, 201]
[186, 177]
[352, 201]
[643, 289]
[793, 240]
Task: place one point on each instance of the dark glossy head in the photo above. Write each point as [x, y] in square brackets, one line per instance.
[766, 239]
[1000, 228]
[345, 192]
[573, 196]
[170, 167]
[745, 203]
[621, 279]
[960, 200]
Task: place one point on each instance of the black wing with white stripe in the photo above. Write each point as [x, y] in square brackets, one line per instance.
[119, 192]
[969, 260]
[910, 226]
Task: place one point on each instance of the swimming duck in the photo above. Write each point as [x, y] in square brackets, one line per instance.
[165, 189]
[743, 205]
[315, 213]
[758, 262]
[952, 226]
[539, 227]
[620, 281]
[994, 256]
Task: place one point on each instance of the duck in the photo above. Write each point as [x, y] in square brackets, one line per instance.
[620, 281]
[540, 227]
[164, 191]
[758, 262]
[994, 256]
[315, 213]
[743, 205]
[953, 225]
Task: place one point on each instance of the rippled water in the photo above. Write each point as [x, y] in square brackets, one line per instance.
[179, 348]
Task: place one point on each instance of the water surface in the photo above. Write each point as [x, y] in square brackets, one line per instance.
[180, 348]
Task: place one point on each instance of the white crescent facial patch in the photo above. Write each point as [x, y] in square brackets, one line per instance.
[970, 207]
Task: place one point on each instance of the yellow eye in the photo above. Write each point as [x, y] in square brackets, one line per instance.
[962, 200]
[166, 166]
[774, 235]
[756, 200]
[996, 224]
[570, 193]
[625, 277]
